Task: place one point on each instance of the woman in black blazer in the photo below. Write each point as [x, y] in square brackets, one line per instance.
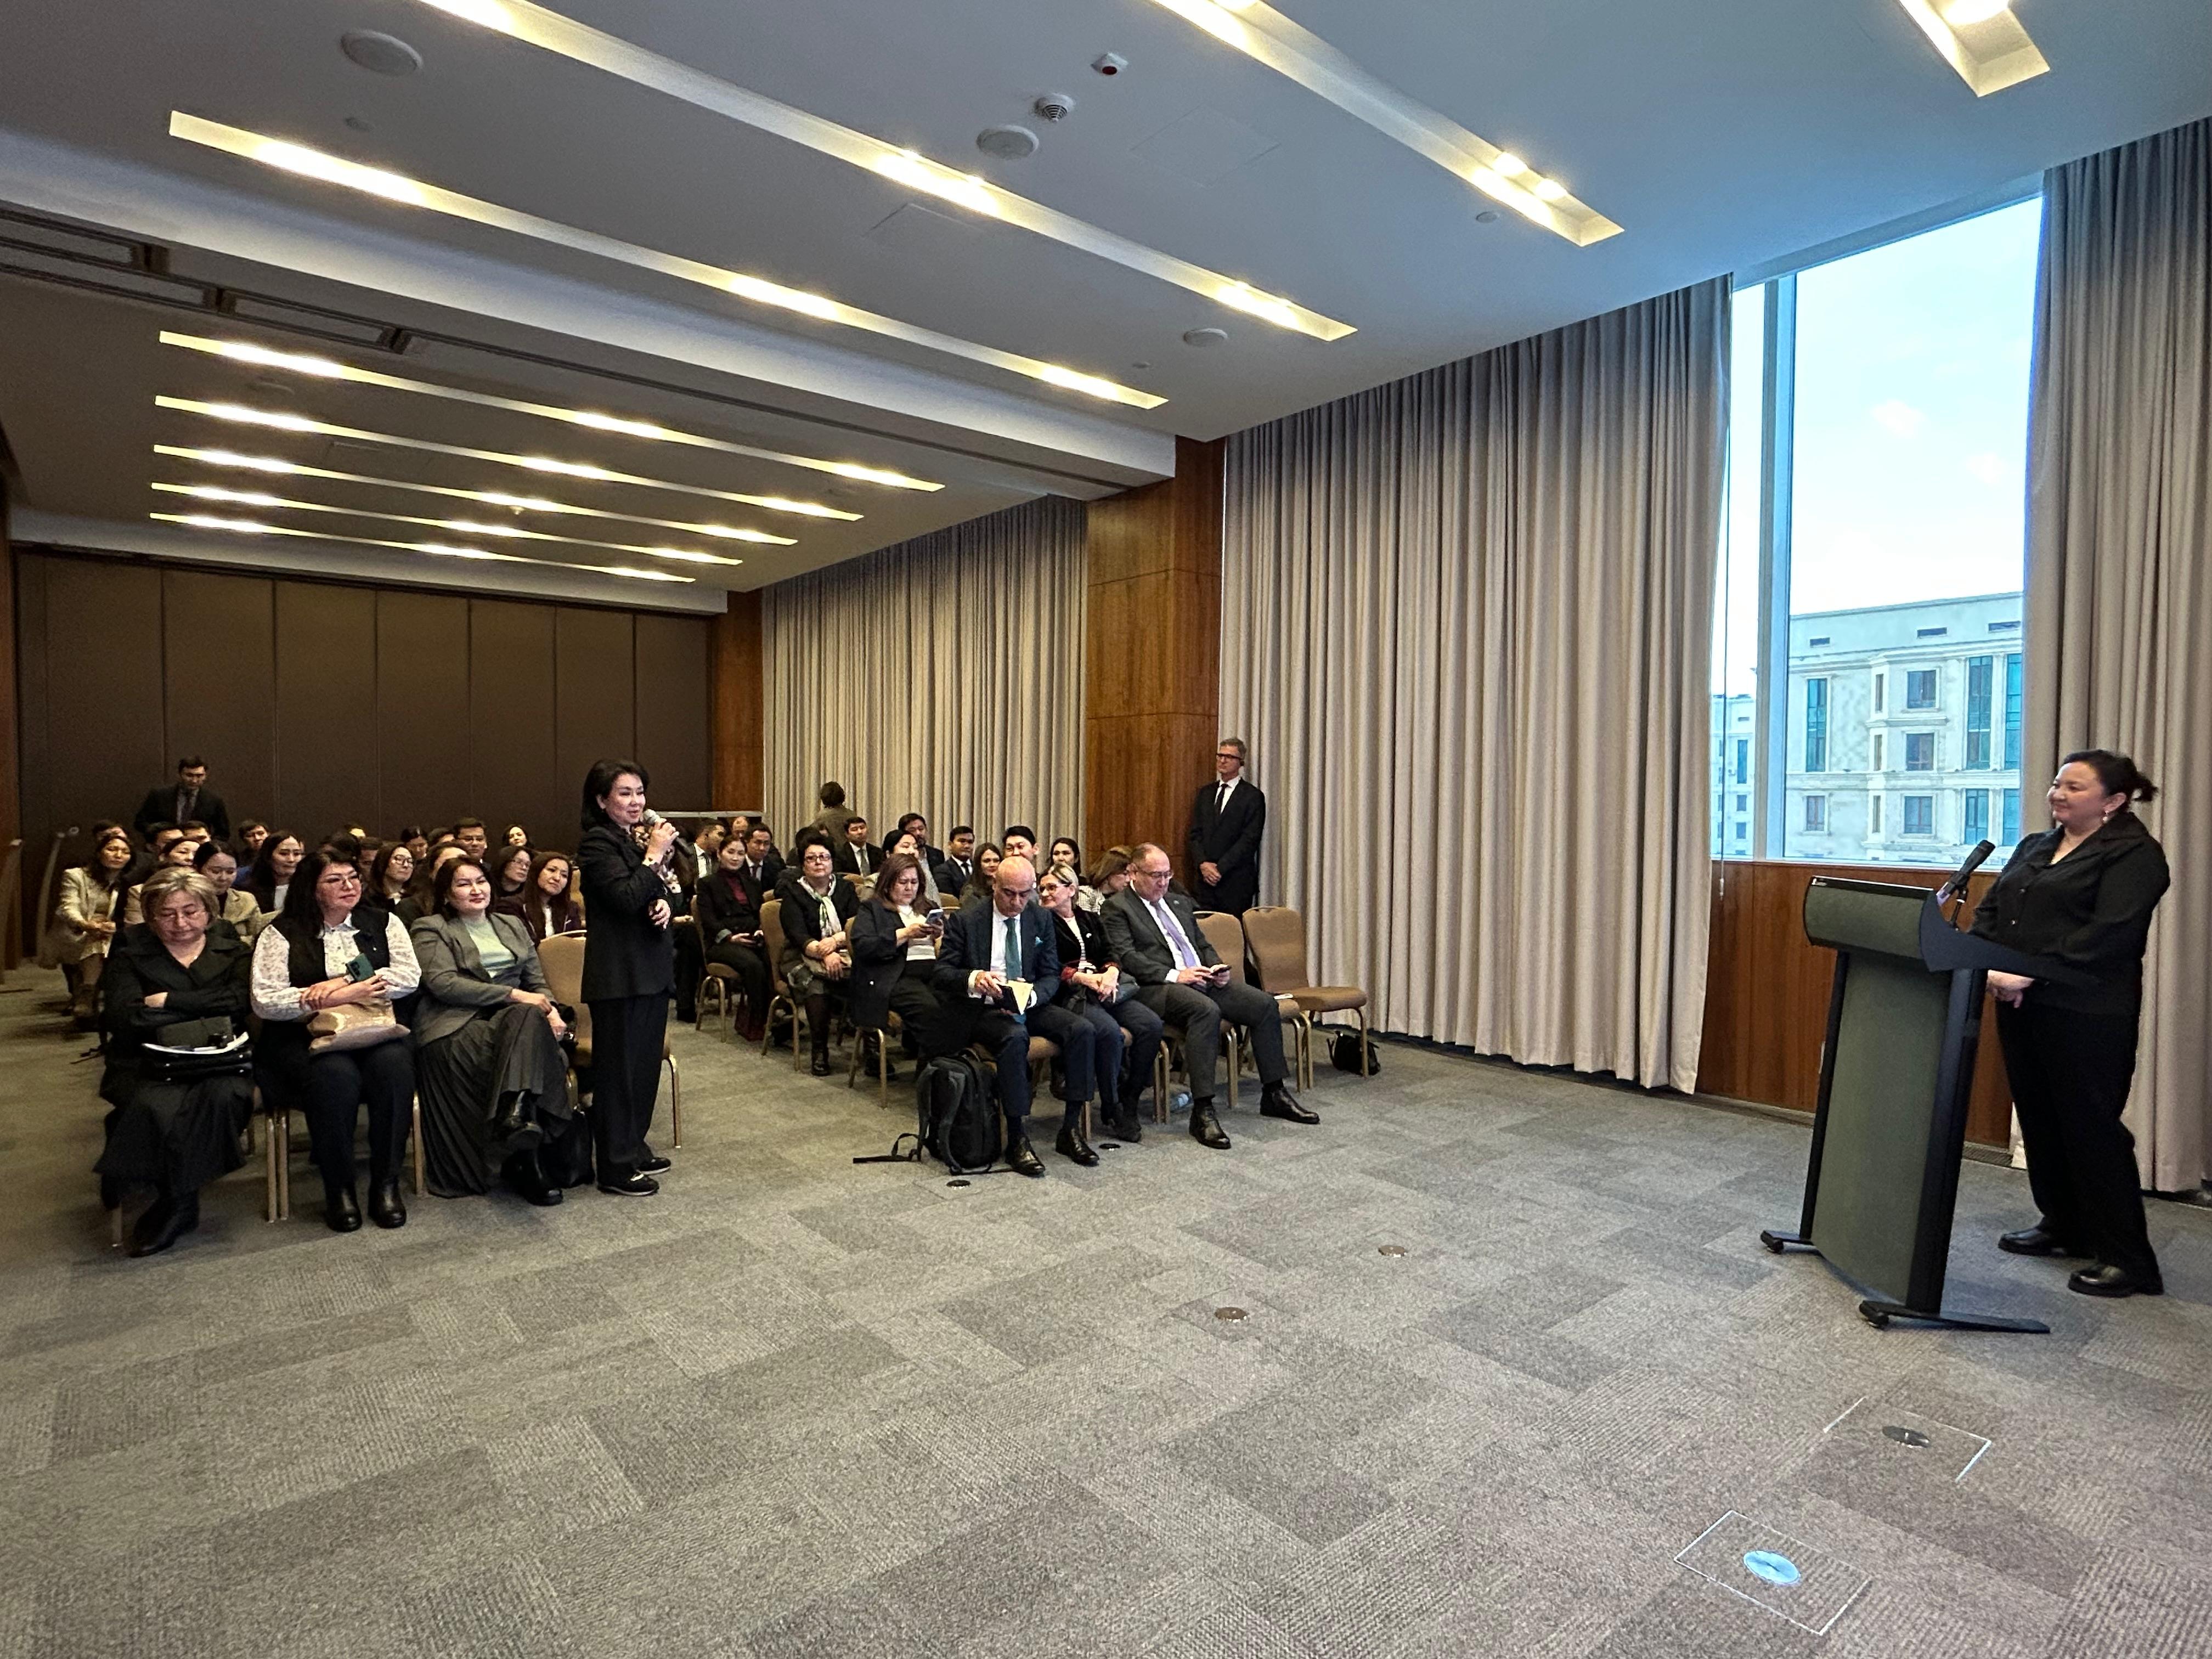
[1094, 986]
[815, 963]
[2083, 894]
[629, 967]
[894, 936]
[728, 912]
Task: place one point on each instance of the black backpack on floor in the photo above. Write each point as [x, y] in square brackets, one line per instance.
[956, 1115]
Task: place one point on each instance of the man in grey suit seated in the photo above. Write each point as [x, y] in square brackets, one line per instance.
[1154, 934]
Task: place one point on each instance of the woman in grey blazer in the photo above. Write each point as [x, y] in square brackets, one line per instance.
[490, 1069]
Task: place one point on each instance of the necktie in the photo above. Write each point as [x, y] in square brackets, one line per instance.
[1013, 949]
[1221, 801]
[1177, 940]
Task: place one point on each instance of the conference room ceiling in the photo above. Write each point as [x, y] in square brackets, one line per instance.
[1715, 135]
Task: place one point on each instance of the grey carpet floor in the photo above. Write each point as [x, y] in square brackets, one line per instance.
[792, 1407]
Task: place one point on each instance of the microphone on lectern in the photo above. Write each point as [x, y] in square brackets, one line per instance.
[1956, 886]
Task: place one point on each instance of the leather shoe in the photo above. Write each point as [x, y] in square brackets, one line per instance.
[164, 1223]
[630, 1183]
[342, 1209]
[385, 1208]
[528, 1176]
[821, 1065]
[1276, 1100]
[1205, 1129]
[513, 1127]
[2106, 1279]
[2036, 1241]
[653, 1164]
[1072, 1145]
[1022, 1158]
[1121, 1123]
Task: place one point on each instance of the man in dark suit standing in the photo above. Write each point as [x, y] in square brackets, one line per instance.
[189, 798]
[986, 951]
[1226, 821]
[1154, 934]
[858, 855]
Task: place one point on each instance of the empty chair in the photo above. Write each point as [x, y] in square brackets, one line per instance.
[1276, 934]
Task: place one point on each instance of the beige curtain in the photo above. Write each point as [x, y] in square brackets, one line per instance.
[2119, 599]
[1466, 626]
[942, 676]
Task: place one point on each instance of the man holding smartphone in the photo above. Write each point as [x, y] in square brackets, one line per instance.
[1155, 936]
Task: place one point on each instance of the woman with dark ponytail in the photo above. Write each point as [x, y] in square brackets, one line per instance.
[2081, 893]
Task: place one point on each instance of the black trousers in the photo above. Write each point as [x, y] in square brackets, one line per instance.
[751, 970]
[627, 1036]
[691, 968]
[2070, 1074]
[339, 1085]
[1200, 1011]
[966, 1021]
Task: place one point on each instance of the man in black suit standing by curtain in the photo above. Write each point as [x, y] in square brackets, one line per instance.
[1226, 823]
[188, 798]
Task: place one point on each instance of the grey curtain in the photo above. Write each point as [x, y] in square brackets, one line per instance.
[2119, 594]
[1466, 626]
[942, 676]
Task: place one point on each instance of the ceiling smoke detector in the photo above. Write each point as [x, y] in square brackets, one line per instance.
[1055, 106]
[1008, 144]
[379, 53]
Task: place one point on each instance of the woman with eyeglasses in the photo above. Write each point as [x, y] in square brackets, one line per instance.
[1129, 1033]
[327, 950]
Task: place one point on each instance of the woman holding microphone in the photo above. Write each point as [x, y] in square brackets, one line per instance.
[2083, 894]
[630, 897]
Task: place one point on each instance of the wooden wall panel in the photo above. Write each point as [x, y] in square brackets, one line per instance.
[105, 746]
[595, 690]
[327, 739]
[1767, 987]
[513, 775]
[27, 684]
[422, 711]
[672, 682]
[740, 697]
[221, 640]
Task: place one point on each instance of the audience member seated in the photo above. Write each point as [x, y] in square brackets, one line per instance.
[1112, 875]
[551, 905]
[977, 889]
[958, 865]
[816, 904]
[177, 854]
[727, 906]
[325, 951]
[510, 868]
[764, 865]
[895, 958]
[908, 842]
[856, 855]
[473, 838]
[493, 1080]
[517, 835]
[86, 916]
[391, 884]
[180, 981]
[1155, 937]
[924, 851]
[270, 880]
[237, 909]
[1093, 990]
[997, 975]
[251, 834]
[695, 859]
[1020, 842]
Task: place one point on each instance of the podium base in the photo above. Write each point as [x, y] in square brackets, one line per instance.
[1879, 1314]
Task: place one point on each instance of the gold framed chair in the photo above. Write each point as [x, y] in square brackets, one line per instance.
[1225, 934]
[780, 997]
[562, 957]
[1276, 934]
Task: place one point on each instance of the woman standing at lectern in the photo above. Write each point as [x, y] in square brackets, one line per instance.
[2083, 894]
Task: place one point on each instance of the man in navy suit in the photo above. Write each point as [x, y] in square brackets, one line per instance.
[986, 951]
[1227, 820]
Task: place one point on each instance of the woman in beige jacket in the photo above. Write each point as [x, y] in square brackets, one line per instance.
[86, 917]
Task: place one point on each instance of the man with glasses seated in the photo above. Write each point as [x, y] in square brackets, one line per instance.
[1154, 934]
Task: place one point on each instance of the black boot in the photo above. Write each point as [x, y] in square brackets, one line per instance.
[384, 1208]
[515, 1127]
[341, 1209]
[166, 1221]
[527, 1176]
[1118, 1118]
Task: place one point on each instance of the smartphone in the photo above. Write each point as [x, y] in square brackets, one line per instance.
[360, 968]
[935, 920]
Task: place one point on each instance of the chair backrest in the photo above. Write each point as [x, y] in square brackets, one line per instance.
[1276, 934]
[1226, 934]
[562, 957]
[11, 902]
[771, 927]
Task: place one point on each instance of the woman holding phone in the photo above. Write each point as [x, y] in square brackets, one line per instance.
[895, 936]
[629, 967]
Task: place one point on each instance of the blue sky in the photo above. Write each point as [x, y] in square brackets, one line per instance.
[1912, 381]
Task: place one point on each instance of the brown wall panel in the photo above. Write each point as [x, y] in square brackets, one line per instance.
[1767, 987]
[33, 793]
[220, 638]
[511, 712]
[672, 690]
[739, 699]
[596, 693]
[327, 736]
[104, 747]
[422, 712]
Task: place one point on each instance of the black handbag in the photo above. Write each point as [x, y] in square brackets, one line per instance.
[193, 1049]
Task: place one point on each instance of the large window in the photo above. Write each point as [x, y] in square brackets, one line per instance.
[1976, 824]
[1868, 601]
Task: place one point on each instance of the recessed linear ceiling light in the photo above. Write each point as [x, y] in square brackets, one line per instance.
[489, 497]
[330, 368]
[1264, 35]
[571, 39]
[256, 498]
[1981, 40]
[295, 158]
[283, 422]
[444, 550]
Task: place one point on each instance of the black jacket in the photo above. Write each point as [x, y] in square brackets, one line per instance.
[1230, 840]
[219, 983]
[952, 876]
[800, 917]
[967, 948]
[726, 904]
[160, 806]
[1138, 945]
[625, 954]
[2091, 911]
[878, 963]
[847, 860]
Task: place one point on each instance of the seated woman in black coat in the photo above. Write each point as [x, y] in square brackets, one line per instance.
[551, 906]
[1093, 987]
[182, 981]
[509, 869]
[488, 1067]
[390, 883]
[893, 941]
[727, 906]
[816, 904]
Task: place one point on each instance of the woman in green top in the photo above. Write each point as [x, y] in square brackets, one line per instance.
[490, 1067]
